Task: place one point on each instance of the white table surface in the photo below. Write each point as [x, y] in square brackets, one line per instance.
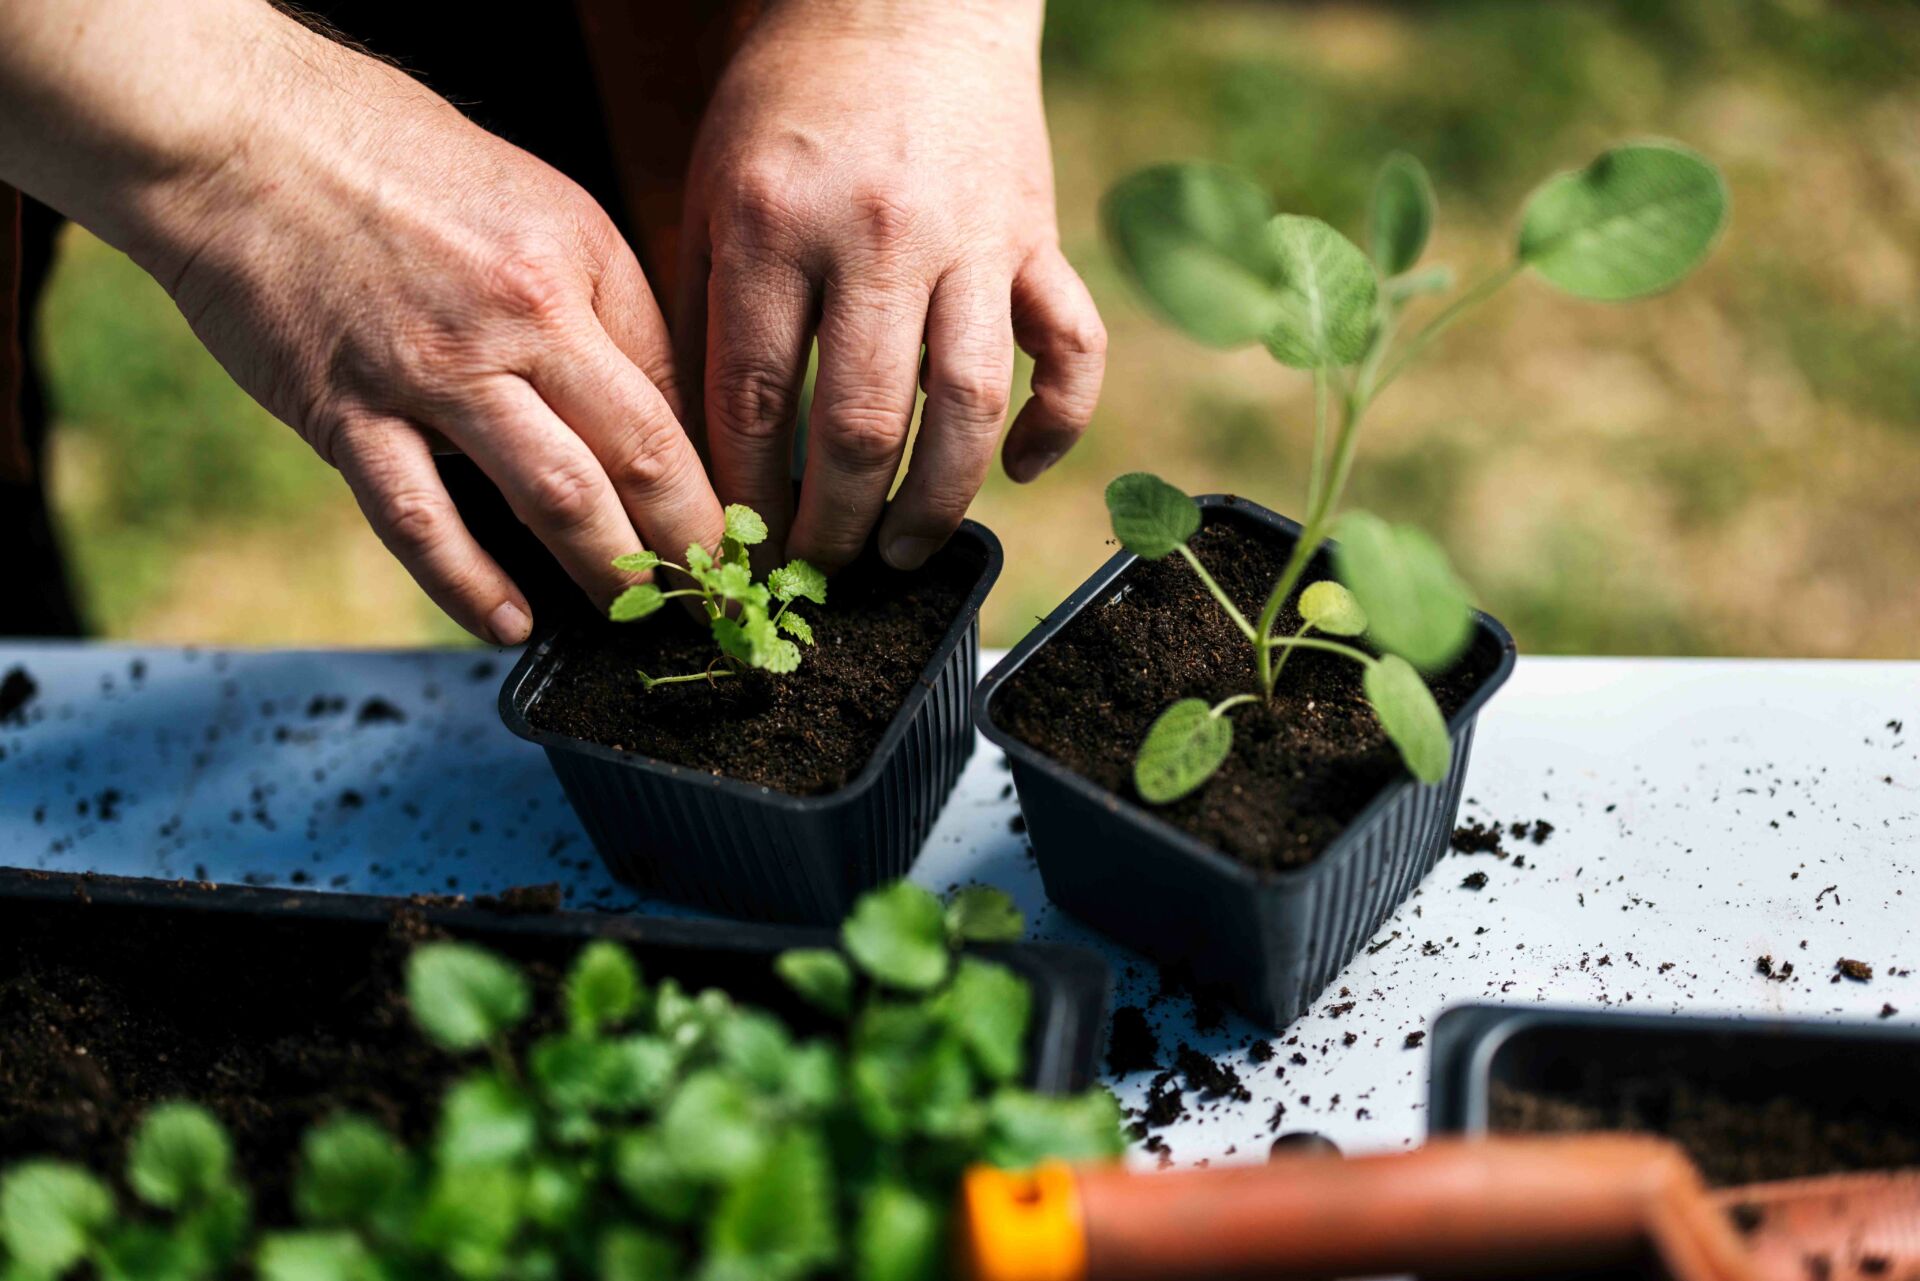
[1706, 812]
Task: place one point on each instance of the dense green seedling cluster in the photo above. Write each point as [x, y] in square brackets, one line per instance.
[657, 1134]
[746, 624]
[1206, 247]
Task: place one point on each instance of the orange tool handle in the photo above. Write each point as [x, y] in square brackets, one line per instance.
[1480, 1208]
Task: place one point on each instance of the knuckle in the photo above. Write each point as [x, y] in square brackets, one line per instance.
[974, 396]
[883, 220]
[866, 437]
[653, 460]
[751, 400]
[1083, 336]
[411, 521]
[758, 207]
[565, 496]
[526, 283]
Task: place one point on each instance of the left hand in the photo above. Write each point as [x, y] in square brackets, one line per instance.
[880, 169]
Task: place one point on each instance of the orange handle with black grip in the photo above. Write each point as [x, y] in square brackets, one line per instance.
[1474, 1208]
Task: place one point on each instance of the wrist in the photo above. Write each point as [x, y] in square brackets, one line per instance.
[1009, 25]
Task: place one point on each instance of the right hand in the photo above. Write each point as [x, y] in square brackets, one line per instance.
[380, 273]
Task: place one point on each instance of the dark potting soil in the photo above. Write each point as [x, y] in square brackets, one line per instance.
[1301, 769]
[807, 732]
[1733, 1141]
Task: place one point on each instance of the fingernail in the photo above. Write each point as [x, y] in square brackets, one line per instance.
[509, 624]
[905, 552]
[1033, 466]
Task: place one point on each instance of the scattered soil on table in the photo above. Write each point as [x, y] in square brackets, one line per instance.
[1733, 1141]
[1131, 1044]
[1301, 770]
[807, 732]
[17, 689]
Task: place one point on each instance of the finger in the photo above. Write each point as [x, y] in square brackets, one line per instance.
[1057, 324]
[862, 403]
[759, 314]
[389, 467]
[551, 480]
[969, 376]
[690, 332]
[631, 317]
[607, 403]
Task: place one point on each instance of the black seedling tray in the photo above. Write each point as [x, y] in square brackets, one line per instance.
[1863, 1069]
[751, 851]
[1270, 942]
[186, 987]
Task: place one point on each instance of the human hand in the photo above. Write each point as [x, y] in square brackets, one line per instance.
[381, 273]
[880, 170]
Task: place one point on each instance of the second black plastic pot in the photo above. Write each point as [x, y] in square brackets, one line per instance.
[1268, 941]
[748, 850]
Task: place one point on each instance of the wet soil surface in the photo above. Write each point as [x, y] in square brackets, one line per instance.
[1734, 1141]
[1301, 769]
[808, 732]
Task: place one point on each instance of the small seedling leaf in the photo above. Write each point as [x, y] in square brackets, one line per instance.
[1415, 605]
[797, 627]
[898, 936]
[989, 1006]
[820, 975]
[900, 1235]
[649, 1177]
[49, 1211]
[462, 996]
[484, 1120]
[1183, 748]
[711, 1128]
[699, 559]
[603, 988]
[314, 1256]
[744, 525]
[637, 562]
[629, 1253]
[1633, 222]
[349, 1169]
[983, 914]
[1151, 518]
[636, 602]
[780, 1216]
[1332, 609]
[781, 657]
[178, 1156]
[1400, 214]
[1193, 237]
[1327, 295]
[798, 579]
[756, 1047]
[1025, 1129]
[1411, 718]
[732, 640]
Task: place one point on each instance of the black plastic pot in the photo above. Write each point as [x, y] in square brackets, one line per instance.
[334, 934]
[1863, 1069]
[1268, 941]
[748, 850]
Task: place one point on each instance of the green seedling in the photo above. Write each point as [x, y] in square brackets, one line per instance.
[1206, 247]
[635, 1131]
[747, 626]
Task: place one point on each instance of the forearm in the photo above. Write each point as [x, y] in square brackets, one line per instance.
[1011, 24]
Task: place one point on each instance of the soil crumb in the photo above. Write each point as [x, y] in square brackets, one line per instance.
[1131, 1044]
[17, 689]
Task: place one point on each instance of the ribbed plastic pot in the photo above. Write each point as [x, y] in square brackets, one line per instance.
[1863, 1069]
[1268, 941]
[751, 851]
[1071, 986]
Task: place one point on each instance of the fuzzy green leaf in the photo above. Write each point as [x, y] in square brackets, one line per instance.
[650, 1178]
[781, 657]
[699, 560]
[1411, 718]
[463, 996]
[484, 1120]
[314, 1256]
[1025, 1129]
[984, 914]
[712, 1128]
[603, 988]
[756, 1047]
[898, 936]
[744, 525]
[989, 1006]
[820, 975]
[1327, 295]
[637, 562]
[734, 582]
[471, 1215]
[798, 580]
[1182, 749]
[1332, 608]
[1633, 222]
[732, 639]
[901, 1235]
[349, 1170]
[1400, 214]
[909, 1074]
[636, 1072]
[797, 627]
[1150, 517]
[1194, 238]
[630, 1253]
[178, 1156]
[780, 1215]
[49, 1211]
[1415, 605]
[635, 603]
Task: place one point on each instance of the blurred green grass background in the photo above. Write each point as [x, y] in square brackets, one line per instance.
[1733, 468]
